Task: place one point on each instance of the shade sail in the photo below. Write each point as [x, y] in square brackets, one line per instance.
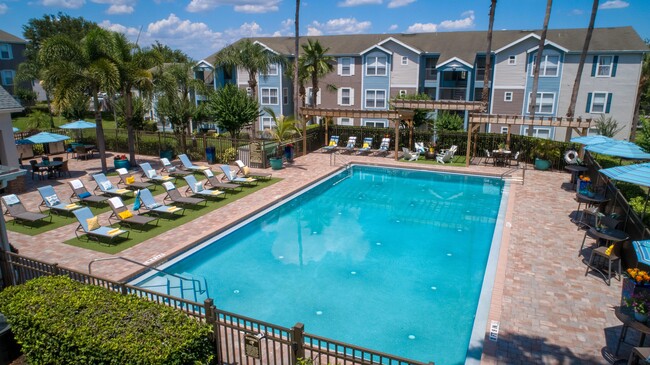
[44, 137]
[622, 149]
[79, 124]
[589, 140]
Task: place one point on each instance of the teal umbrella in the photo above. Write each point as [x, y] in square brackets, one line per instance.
[16, 130]
[589, 140]
[79, 124]
[623, 149]
[44, 137]
[638, 174]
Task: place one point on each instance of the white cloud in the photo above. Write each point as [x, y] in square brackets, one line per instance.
[120, 9]
[338, 26]
[241, 6]
[118, 6]
[349, 3]
[3, 8]
[393, 27]
[465, 23]
[70, 4]
[577, 12]
[614, 4]
[399, 3]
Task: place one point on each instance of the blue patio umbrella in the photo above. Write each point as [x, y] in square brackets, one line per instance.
[589, 140]
[43, 137]
[642, 249]
[623, 149]
[78, 124]
[638, 174]
[16, 130]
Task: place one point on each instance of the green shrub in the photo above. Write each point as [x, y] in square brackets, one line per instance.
[230, 154]
[60, 321]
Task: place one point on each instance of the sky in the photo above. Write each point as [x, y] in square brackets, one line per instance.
[202, 27]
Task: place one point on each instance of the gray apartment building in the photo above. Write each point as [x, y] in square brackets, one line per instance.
[12, 54]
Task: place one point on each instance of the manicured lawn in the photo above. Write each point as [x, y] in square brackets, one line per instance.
[164, 224]
[456, 161]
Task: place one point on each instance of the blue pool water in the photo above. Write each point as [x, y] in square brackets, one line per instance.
[388, 259]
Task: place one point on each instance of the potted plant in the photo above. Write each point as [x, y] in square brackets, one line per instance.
[544, 152]
[635, 282]
[285, 130]
[121, 162]
[640, 302]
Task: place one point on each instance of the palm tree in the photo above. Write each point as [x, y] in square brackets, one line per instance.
[134, 64]
[488, 59]
[538, 60]
[30, 71]
[284, 130]
[88, 64]
[644, 81]
[316, 64]
[296, 80]
[252, 57]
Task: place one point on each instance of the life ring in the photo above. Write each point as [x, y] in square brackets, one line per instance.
[571, 157]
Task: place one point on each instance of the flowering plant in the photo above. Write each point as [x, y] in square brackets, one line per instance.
[585, 178]
[640, 302]
[119, 157]
[638, 276]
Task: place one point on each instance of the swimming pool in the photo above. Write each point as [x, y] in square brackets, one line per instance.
[388, 259]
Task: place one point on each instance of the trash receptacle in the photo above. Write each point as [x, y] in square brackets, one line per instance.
[210, 155]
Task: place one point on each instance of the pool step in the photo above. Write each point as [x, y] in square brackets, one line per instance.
[184, 286]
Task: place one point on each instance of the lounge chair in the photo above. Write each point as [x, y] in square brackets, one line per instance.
[410, 156]
[331, 146]
[197, 188]
[125, 216]
[383, 147]
[349, 147]
[419, 147]
[89, 225]
[187, 164]
[215, 183]
[233, 178]
[175, 196]
[150, 205]
[246, 172]
[446, 157]
[107, 188]
[366, 146]
[16, 209]
[151, 174]
[128, 180]
[172, 170]
[53, 202]
[80, 192]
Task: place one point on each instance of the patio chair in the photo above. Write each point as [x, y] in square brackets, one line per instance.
[489, 158]
[410, 156]
[151, 174]
[128, 180]
[37, 170]
[16, 210]
[175, 196]
[125, 216]
[53, 202]
[446, 157]
[89, 225]
[349, 147]
[215, 183]
[151, 206]
[197, 188]
[82, 152]
[233, 178]
[383, 147]
[419, 147]
[245, 171]
[453, 150]
[366, 146]
[172, 170]
[107, 188]
[188, 165]
[64, 169]
[514, 159]
[331, 146]
[80, 192]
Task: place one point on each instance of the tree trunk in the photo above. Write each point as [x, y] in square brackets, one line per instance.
[128, 119]
[49, 109]
[252, 83]
[296, 82]
[99, 130]
[488, 61]
[583, 56]
[538, 60]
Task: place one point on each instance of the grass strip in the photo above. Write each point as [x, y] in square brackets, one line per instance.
[139, 234]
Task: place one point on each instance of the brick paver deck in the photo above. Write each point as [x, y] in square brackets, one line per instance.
[548, 310]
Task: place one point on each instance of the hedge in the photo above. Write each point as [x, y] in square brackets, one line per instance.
[61, 321]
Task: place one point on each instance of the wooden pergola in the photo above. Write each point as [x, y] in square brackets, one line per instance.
[579, 125]
[436, 105]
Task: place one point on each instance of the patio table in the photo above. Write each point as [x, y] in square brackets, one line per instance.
[626, 316]
[501, 157]
[595, 200]
[51, 167]
[575, 171]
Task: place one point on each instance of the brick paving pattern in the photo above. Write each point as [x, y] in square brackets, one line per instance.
[549, 312]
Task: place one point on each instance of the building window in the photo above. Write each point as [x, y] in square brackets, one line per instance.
[599, 102]
[345, 121]
[346, 66]
[285, 95]
[376, 66]
[544, 103]
[430, 69]
[504, 130]
[539, 132]
[375, 123]
[405, 60]
[8, 77]
[512, 60]
[267, 123]
[270, 96]
[375, 99]
[507, 96]
[604, 66]
[402, 93]
[346, 96]
[548, 67]
[249, 91]
[5, 51]
[273, 70]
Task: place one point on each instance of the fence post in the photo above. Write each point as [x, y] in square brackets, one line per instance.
[212, 319]
[55, 267]
[298, 342]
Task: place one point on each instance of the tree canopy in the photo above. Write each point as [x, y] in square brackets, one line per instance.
[232, 109]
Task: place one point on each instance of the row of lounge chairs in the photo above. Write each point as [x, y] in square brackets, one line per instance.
[350, 147]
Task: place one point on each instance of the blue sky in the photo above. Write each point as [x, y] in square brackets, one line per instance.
[201, 27]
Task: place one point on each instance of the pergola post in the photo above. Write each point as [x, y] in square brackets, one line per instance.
[396, 138]
[470, 128]
[304, 135]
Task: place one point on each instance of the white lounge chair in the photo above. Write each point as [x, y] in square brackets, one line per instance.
[446, 157]
[410, 156]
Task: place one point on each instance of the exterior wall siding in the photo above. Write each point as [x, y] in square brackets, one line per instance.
[18, 53]
[329, 99]
[499, 106]
[403, 75]
[512, 75]
[549, 84]
[274, 82]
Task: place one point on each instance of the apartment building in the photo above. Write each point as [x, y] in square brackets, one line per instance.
[371, 69]
[12, 50]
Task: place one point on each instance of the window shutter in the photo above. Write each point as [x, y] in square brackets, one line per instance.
[318, 100]
[594, 66]
[614, 64]
[339, 96]
[588, 103]
[609, 102]
[351, 66]
[351, 96]
[339, 66]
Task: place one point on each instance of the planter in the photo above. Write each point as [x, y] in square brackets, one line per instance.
[121, 164]
[542, 164]
[630, 288]
[276, 163]
[168, 154]
[640, 317]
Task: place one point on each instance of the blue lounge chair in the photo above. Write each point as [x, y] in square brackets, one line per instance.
[188, 165]
[83, 216]
[151, 174]
[125, 216]
[131, 184]
[175, 196]
[383, 147]
[331, 146]
[197, 188]
[349, 147]
[53, 202]
[172, 170]
[80, 192]
[366, 146]
[215, 183]
[231, 177]
[150, 204]
[107, 188]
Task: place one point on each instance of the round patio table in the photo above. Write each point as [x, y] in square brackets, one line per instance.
[575, 171]
[51, 167]
[501, 157]
[626, 316]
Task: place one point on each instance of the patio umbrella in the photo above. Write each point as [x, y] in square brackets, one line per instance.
[589, 140]
[638, 174]
[43, 137]
[78, 125]
[623, 149]
[642, 249]
[16, 130]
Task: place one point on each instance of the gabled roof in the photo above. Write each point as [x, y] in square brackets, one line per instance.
[373, 47]
[391, 39]
[7, 103]
[266, 47]
[454, 59]
[203, 63]
[10, 38]
[538, 38]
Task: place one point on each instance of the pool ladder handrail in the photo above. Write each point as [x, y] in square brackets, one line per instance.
[510, 172]
[193, 280]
